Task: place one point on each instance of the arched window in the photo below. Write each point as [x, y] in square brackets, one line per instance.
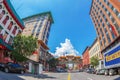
[19, 32]
[10, 25]
[14, 30]
[5, 20]
[0, 6]
[10, 40]
[2, 14]
[5, 36]
[1, 31]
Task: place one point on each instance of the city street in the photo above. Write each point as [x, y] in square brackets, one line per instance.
[57, 76]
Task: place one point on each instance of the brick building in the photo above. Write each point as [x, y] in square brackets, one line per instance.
[105, 15]
[85, 58]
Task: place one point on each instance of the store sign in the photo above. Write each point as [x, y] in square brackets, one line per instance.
[112, 57]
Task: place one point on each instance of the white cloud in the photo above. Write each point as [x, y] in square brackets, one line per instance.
[65, 48]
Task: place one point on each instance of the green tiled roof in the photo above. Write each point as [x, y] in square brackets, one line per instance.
[13, 10]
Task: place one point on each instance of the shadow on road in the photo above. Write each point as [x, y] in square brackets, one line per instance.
[14, 76]
[9, 76]
[117, 78]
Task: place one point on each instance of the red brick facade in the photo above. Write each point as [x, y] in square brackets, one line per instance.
[85, 55]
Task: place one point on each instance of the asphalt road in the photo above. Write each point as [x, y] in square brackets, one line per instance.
[57, 76]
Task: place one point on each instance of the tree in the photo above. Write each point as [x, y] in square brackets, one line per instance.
[53, 62]
[94, 61]
[23, 47]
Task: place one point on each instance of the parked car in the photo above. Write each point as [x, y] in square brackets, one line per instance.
[91, 70]
[100, 72]
[61, 70]
[13, 67]
[2, 66]
[81, 70]
[85, 70]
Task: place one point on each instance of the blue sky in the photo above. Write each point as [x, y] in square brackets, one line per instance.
[71, 20]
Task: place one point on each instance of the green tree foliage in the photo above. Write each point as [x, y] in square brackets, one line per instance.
[53, 62]
[23, 46]
[94, 61]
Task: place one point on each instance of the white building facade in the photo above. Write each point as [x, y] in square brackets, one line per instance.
[95, 51]
[39, 26]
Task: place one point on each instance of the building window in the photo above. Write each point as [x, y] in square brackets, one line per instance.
[101, 32]
[115, 11]
[19, 32]
[39, 28]
[109, 14]
[100, 3]
[106, 10]
[43, 37]
[10, 25]
[46, 41]
[98, 33]
[116, 26]
[5, 36]
[112, 19]
[101, 11]
[98, 24]
[105, 29]
[0, 6]
[108, 37]
[100, 20]
[104, 0]
[119, 15]
[1, 28]
[108, 3]
[14, 30]
[10, 40]
[98, 8]
[5, 20]
[37, 35]
[119, 30]
[113, 35]
[47, 35]
[103, 15]
[112, 7]
[101, 42]
[103, 24]
[103, 6]
[97, 0]
[105, 19]
[2, 14]
[96, 20]
[99, 16]
[104, 41]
